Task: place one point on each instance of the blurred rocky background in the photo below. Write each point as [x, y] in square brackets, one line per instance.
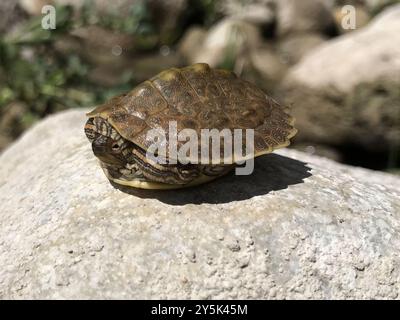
[343, 85]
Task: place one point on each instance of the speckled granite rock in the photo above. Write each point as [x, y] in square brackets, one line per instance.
[299, 227]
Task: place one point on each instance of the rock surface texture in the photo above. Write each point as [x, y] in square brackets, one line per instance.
[299, 227]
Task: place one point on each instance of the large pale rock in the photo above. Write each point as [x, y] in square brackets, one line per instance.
[347, 90]
[299, 227]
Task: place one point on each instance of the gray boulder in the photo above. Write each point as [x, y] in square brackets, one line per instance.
[299, 227]
[293, 48]
[347, 90]
[226, 42]
[295, 16]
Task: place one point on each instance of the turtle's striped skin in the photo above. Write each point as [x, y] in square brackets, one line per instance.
[196, 97]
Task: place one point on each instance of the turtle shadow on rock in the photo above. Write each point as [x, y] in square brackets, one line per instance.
[272, 172]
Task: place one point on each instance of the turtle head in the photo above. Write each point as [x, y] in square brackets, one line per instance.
[126, 163]
[108, 146]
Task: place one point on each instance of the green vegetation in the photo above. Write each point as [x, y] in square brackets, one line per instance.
[41, 79]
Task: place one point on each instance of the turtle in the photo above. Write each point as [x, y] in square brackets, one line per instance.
[195, 97]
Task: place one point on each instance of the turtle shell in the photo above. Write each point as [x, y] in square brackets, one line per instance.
[198, 97]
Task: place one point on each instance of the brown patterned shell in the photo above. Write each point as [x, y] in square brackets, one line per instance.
[199, 97]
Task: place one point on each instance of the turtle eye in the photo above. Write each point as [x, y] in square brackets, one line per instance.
[115, 146]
